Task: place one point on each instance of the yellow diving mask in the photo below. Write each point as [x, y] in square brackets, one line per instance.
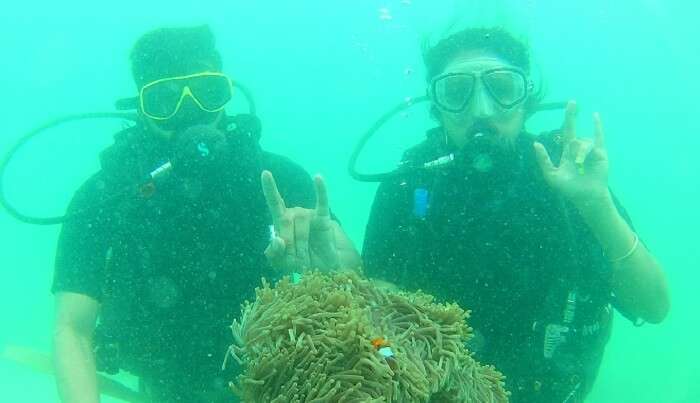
[162, 99]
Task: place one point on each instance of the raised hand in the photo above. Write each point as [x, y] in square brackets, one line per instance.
[582, 173]
[303, 238]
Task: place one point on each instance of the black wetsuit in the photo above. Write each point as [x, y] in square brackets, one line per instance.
[171, 265]
[493, 237]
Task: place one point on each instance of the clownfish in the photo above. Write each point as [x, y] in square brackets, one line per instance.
[383, 348]
[379, 342]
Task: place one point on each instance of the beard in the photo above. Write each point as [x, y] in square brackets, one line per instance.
[501, 129]
[486, 150]
[492, 135]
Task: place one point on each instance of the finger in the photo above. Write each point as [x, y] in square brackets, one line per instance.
[570, 121]
[291, 262]
[568, 152]
[301, 239]
[599, 137]
[275, 249]
[285, 230]
[281, 220]
[274, 200]
[543, 160]
[322, 208]
[583, 148]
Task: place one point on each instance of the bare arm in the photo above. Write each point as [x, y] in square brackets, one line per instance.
[76, 376]
[639, 282]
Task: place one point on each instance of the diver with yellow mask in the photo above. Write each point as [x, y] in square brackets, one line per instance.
[160, 247]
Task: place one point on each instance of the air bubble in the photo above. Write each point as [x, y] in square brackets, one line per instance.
[385, 14]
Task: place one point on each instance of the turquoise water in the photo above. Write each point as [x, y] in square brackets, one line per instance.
[322, 72]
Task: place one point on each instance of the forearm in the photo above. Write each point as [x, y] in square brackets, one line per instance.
[76, 376]
[638, 280]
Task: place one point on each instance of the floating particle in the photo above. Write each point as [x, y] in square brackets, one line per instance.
[408, 71]
[385, 14]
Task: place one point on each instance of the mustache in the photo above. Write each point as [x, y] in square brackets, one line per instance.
[485, 131]
[484, 128]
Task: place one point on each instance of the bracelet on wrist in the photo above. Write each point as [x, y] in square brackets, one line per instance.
[634, 247]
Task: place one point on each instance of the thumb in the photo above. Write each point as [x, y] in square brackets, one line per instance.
[275, 252]
[544, 161]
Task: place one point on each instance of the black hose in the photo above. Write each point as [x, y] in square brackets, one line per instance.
[122, 105]
[352, 164]
[28, 136]
[378, 177]
[249, 97]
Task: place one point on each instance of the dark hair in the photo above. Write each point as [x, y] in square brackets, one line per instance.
[167, 52]
[497, 41]
[494, 40]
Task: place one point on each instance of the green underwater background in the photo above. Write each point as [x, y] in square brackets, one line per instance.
[322, 72]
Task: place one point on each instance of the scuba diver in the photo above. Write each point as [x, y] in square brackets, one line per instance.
[159, 249]
[521, 229]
